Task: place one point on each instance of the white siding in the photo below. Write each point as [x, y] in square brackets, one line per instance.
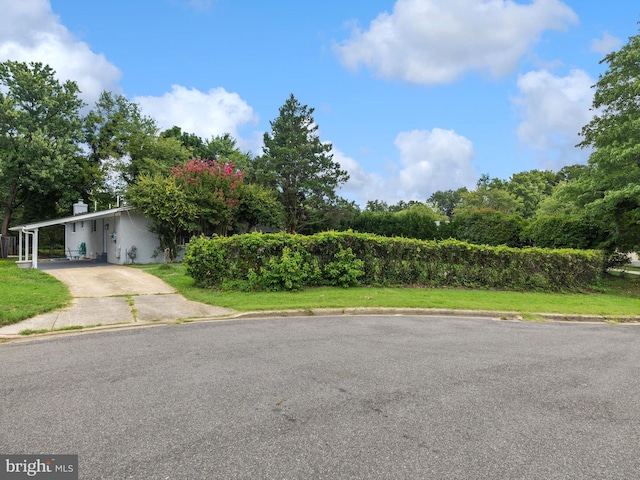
[134, 231]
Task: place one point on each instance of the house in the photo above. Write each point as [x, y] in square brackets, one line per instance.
[118, 235]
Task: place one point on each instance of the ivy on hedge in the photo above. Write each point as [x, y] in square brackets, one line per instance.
[283, 261]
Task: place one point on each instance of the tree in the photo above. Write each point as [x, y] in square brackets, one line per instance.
[219, 146]
[199, 196]
[532, 187]
[40, 133]
[490, 198]
[299, 166]
[123, 144]
[164, 200]
[259, 206]
[213, 187]
[614, 134]
[376, 206]
[446, 202]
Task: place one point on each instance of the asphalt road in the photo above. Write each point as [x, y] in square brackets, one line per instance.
[331, 398]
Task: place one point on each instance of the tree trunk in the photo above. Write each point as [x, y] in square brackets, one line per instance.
[8, 209]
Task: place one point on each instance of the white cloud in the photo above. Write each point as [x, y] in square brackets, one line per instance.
[437, 41]
[433, 160]
[429, 161]
[554, 110]
[362, 186]
[206, 114]
[607, 44]
[31, 32]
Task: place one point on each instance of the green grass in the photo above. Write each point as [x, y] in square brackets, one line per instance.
[25, 293]
[618, 296]
[29, 331]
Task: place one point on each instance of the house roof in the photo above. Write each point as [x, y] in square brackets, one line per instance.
[73, 218]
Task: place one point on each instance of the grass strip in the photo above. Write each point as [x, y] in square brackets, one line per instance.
[618, 295]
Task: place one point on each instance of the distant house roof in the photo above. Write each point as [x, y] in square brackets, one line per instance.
[71, 219]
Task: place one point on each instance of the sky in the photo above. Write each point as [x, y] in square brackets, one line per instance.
[414, 95]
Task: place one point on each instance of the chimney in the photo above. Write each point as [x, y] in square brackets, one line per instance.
[80, 208]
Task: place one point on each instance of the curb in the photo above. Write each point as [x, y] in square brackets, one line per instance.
[323, 312]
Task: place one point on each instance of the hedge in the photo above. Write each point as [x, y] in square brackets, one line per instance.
[566, 231]
[284, 261]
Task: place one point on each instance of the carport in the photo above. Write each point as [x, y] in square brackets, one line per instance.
[28, 234]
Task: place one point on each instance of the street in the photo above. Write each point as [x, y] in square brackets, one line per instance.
[361, 397]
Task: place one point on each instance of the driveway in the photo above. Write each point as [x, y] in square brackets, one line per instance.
[113, 294]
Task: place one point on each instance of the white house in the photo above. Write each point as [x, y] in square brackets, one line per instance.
[119, 235]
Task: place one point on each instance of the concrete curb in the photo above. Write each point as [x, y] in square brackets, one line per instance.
[324, 312]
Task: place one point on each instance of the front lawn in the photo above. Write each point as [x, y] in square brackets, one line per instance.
[25, 293]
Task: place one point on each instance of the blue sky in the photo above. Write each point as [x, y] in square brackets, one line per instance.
[415, 95]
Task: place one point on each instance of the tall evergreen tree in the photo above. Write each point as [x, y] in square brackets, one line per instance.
[299, 166]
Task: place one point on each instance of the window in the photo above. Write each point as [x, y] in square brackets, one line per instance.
[73, 227]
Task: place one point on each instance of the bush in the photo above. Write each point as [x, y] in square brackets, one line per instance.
[345, 270]
[414, 222]
[283, 261]
[566, 231]
[289, 271]
[488, 227]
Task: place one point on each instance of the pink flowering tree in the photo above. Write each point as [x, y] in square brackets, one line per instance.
[213, 187]
[198, 196]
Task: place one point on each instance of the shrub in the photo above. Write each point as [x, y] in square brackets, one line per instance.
[283, 261]
[345, 270]
[566, 231]
[488, 227]
[289, 271]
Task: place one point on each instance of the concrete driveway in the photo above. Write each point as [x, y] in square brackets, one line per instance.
[113, 294]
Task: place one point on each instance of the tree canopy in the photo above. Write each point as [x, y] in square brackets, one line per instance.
[41, 165]
[614, 135]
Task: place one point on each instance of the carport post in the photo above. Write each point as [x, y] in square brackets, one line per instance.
[20, 247]
[34, 255]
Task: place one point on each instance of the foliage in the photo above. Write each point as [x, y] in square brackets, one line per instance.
[289, 271]
[614, 134]
[615, 296]
[490, 197]
[200, 196]
[448, 201]
[388, 261]
[167, 204]
[258, 207]
[345, 270]
[219, 146]
[531, 188]
[299, 166]
[376, 206]
[212, 187]
[418, 221]
[120, 141]
[40, 131]
[566, 231]
[488, 227]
